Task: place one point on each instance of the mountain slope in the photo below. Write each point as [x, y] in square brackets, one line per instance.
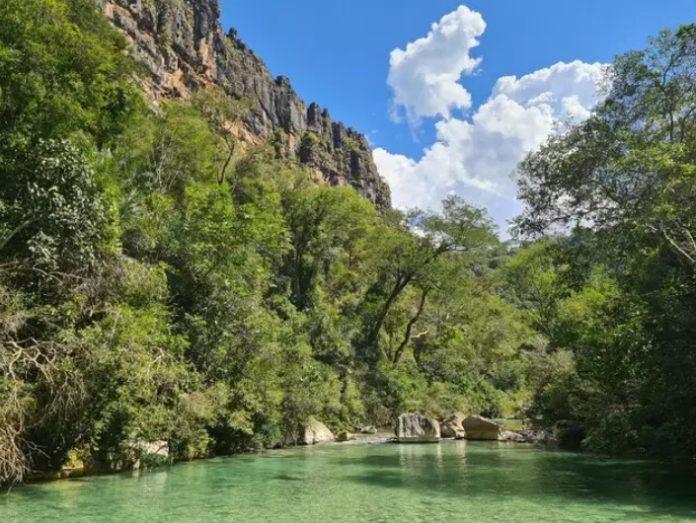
[182, 46]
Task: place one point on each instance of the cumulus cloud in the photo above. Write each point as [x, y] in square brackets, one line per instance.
[476, 157]
[425, 76]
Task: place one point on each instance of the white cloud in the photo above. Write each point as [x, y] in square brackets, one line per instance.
[425, 76]
[476, 157]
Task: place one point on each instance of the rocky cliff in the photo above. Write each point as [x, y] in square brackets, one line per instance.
[182, 47]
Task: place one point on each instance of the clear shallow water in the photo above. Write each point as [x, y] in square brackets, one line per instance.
[450, 481]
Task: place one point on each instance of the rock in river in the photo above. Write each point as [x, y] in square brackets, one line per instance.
[452, 427]
[414, 428]
[478, 427]
[316, 432]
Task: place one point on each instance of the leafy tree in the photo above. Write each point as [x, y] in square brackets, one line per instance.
[624, 180]
[53, 210]
[222, 113]
[405, 259]
[62, 71]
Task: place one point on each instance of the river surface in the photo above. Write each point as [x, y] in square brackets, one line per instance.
[449, 481]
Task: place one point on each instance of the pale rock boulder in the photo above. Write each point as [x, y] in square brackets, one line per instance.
[478, 427]
[453, 427]
[417, 428]
[150, 453]
[316, 432]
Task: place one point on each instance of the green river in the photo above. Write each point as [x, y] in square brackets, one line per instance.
[449, 481]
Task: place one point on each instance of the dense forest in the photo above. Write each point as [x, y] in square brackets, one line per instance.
[159, 281]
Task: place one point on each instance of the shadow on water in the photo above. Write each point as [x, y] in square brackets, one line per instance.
[487, 470]
[288, 477]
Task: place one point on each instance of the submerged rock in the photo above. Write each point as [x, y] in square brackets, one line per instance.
[452, 427]
[508, 435]
[316, 432]
[415, 428]
[539, 437]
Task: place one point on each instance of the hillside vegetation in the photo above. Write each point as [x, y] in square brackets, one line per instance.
[160, 282]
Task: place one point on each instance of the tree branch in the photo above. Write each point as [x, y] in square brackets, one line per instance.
[409, 327]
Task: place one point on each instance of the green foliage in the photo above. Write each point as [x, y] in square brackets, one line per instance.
[616, 293]
[53, 210]
[63, 72]
[160, 284]
[165, 152]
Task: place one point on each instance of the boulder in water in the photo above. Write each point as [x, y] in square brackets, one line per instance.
[478, 427]
[368, 429]
[452, 427]
[316, 432]
[150, 453]
[417, 428]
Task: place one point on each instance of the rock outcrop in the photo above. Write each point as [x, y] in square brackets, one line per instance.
[453, 427]
[182, 47]
[478, 427]
[316, 432]
[417, 428]
[131, 454]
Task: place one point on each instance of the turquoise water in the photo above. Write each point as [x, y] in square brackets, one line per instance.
[450, 481]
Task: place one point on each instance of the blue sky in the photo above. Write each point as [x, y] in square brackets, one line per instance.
[337, 52]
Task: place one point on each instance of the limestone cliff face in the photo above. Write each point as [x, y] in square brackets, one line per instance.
[182, 47]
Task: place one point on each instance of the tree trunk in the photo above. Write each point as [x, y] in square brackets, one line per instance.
[409, 327]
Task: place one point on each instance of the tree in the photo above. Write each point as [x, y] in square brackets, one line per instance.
[404, 259]
[62, 71]
[631, 166]
[223, 113]
[622, 184]
[54, 210]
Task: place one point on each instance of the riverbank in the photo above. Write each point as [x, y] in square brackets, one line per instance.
[317, 435]
[75, 470]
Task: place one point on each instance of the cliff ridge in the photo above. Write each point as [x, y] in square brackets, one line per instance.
[182, 46]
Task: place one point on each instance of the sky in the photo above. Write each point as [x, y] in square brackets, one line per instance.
[451, 94]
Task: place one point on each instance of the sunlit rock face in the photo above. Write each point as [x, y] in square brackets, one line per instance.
[182, 47]
[478, 427]
[316, 432]
[417, 428]
[452, 427]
